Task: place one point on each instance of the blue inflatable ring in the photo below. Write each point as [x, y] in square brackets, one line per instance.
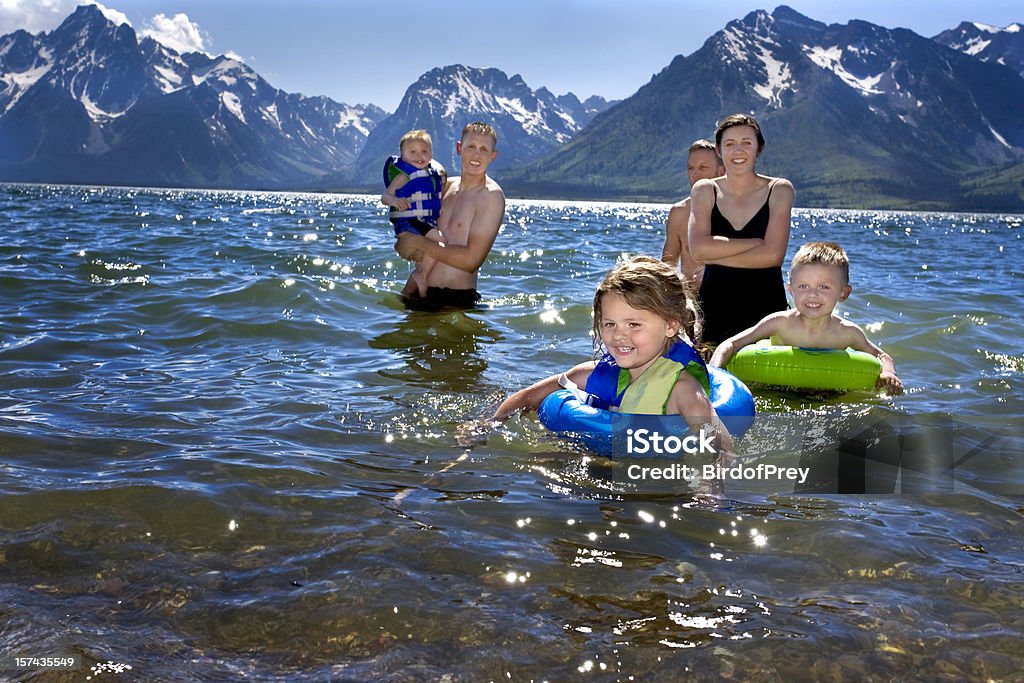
[562, 412]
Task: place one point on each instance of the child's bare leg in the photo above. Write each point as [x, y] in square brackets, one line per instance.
[425, 265]
[411, 287]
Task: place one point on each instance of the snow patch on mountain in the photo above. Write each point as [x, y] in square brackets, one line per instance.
[270, 114]
[96, 113]
[233, 104]
[778, 75]
[974, 46]
[18, 83]
[736, 46]
[466, 95]
[1012, 28]
[351, 118]
[26, 79]
[831, 59]
[999, 137]
[168, 79]
[531, 121]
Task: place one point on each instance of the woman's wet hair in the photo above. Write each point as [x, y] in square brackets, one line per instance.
[739, 120]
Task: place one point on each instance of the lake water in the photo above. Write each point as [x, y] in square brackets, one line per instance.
[227, 451]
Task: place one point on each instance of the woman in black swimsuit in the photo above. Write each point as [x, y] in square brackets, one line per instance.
[739, 228]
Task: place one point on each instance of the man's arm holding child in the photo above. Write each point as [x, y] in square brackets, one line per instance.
[483, 230]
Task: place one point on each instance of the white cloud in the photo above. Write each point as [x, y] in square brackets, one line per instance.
[113, 15]
[45, 15]
[178, 33]
[33, 15]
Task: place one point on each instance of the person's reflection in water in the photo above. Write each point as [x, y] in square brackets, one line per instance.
[886, 453]
[443, 351]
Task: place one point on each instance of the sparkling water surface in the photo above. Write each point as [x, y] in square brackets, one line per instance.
[228, 452]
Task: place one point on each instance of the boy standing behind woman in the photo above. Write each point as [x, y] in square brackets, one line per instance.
[702, 163]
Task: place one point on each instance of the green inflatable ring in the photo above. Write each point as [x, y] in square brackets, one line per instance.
[818, 369]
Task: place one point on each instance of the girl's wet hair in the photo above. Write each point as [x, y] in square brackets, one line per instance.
[651, 285]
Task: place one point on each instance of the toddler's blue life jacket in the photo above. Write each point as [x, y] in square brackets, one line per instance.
[423, 189]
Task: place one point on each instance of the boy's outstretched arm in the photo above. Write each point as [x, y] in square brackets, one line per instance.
[768, 326]
[887, 379]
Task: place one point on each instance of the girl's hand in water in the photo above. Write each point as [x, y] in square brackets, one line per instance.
[475, 432]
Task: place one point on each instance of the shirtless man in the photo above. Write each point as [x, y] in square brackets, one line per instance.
[472, 209]
[701, 162]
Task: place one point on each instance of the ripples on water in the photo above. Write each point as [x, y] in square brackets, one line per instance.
[228, 451]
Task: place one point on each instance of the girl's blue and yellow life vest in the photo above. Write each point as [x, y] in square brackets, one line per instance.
[586, 414]
[423, 189]
[648, 395]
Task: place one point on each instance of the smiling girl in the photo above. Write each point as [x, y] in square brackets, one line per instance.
[644, 317]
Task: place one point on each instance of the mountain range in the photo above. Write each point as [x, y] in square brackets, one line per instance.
[988, 43]
[91, 103]
[530, 123]
[855, 114]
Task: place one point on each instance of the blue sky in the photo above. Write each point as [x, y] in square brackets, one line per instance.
[350, 50]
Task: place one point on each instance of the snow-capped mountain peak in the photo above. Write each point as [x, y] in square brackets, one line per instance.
[1012, 28]
[443, 100]
[94, 96]
[987, 43]
[851, 110]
